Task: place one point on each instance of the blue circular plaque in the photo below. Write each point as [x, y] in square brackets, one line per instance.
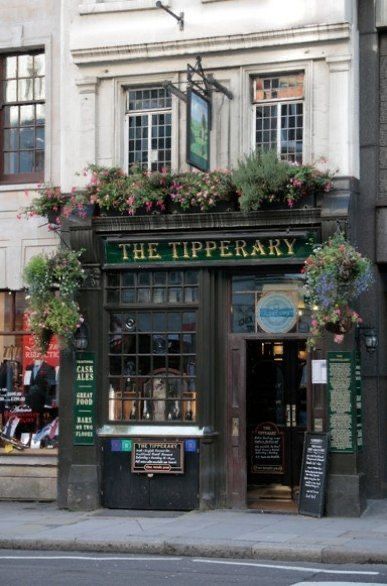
[276, 313]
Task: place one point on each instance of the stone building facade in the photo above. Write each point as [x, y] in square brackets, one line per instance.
[107, 65]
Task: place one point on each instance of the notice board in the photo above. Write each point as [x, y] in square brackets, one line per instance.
[267, 448]
[158, 457]
[313, 474]
[341, 400]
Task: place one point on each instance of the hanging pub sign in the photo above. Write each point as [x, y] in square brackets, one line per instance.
[84, 399]
[198, 130]
[207, 250]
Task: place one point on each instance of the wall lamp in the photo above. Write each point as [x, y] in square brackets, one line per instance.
[369, 336]
[81, 337]
[178, 17]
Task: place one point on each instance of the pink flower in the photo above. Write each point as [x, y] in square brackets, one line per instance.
[338, 338]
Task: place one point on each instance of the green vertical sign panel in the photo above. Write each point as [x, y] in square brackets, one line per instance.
[84, 399]
[359, 406]
[341, 398]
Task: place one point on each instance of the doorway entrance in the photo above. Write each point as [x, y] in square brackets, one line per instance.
[276, 419]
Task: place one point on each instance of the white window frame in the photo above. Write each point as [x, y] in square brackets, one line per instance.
[247, 107]
[279, 102]
[120, 145]
[149, 114]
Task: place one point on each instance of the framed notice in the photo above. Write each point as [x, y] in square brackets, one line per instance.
[158, 457]
[198, 130]
[341, 401]
[267, 449]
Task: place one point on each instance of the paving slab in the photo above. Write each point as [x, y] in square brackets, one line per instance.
[221, 533]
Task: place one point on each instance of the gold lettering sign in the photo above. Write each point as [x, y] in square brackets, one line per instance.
[238, 249]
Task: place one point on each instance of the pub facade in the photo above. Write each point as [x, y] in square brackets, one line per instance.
[197, 323]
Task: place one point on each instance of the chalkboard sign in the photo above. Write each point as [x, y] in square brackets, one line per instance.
[313, 474]
[158, 457]
[266, 449]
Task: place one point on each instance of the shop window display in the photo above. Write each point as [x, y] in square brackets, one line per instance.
[28, 381]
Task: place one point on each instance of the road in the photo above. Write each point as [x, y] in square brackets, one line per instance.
[34, 568]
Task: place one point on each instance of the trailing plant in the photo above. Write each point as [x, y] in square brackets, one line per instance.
[261, 178]
[49, 199]
[52, 283]
[335, 275]
[202, 190]
[305, 180]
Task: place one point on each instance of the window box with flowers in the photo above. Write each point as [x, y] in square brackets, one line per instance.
[335, 275]
[260, 181]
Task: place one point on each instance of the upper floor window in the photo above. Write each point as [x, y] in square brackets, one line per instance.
[22, 117]
[278, 109]
[149, 112]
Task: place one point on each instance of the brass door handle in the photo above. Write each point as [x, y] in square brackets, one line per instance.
[294, 415]
[288, 416]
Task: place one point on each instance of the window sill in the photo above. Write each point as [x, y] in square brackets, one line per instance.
[157, 430]
[121, 6]
[4, 187]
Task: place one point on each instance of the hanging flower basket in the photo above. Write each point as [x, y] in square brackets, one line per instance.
[340, 327]
[335, 275]
[52, 283]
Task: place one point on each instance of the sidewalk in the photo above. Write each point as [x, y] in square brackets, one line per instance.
[221, 534]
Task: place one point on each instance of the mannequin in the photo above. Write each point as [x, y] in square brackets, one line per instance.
[39, 385]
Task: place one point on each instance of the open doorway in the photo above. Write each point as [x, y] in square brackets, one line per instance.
[276, 419]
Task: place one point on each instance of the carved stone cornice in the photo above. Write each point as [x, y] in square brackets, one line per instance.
[220, 44]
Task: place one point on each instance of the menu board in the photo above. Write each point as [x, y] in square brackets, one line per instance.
[313, 474]
[341, 379]
[84, 399]
[267, 449]
[158, 457]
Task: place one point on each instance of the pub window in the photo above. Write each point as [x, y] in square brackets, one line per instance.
[149, 115]
[22, 117]
[279, 114]
[249, 289]
[152, 345]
